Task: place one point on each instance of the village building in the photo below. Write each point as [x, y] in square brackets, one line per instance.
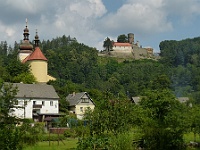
[79, 103]
[37, 101]
[34, 57]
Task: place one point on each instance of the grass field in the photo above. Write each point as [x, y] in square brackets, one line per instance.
[68, 144]
[71, 143]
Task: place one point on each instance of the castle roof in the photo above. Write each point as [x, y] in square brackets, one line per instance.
[121, 44]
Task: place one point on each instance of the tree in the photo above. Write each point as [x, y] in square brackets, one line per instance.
[9, 135]
[195, 120]
[122, 38]
[108, 44]
[166, 120]
[110, 119]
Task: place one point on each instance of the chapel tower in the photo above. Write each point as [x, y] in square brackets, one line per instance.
[38, 62]
[25, 48]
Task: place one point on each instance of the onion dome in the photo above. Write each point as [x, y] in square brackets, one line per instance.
[26, 46]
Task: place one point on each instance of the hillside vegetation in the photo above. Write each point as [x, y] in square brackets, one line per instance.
[77, 67]
[160, 119]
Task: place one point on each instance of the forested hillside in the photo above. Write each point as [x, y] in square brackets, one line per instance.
[160, 119]
[77, 67]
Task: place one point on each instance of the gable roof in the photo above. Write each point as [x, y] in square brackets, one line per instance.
[75, 98]
[35, 91]
[35, 55]
[136, 100]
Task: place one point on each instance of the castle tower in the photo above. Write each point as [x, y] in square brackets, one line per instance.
[26, 48]
[131, 38]
[38, 63]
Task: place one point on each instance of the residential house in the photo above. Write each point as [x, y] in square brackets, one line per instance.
[36, 101]
[79, 103]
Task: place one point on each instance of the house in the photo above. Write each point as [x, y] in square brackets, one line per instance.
[79, 103]
[36, 101]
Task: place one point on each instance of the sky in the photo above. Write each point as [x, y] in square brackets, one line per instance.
[91, 21]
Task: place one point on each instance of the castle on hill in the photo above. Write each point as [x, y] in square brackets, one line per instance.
[34, 57]
[131, 49]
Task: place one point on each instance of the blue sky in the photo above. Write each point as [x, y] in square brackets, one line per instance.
[91, 21]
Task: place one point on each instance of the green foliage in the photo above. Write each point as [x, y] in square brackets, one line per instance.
[9, 134]
[7, 104]
[31, 132]
[122, 38]
[52, 137]
[108, 44]
[166, 120]
[195, 120]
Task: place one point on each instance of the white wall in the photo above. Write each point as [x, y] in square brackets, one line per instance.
[46, 108]
[122, 48]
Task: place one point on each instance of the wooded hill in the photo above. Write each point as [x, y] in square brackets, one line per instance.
[77, 67]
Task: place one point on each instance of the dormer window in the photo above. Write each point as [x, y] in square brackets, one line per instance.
[85, 100]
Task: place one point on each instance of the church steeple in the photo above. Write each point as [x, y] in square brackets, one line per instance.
[26, 31]
[36, 39]
[25, 48]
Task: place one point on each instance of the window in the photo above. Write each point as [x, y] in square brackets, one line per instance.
[81, 109]
[34, 102]
[51, 103]
[25, 103]
[16, 102]
[43, 103]
[85, 100]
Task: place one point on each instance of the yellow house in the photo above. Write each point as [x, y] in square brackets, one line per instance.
[34, 57]
[79, 103]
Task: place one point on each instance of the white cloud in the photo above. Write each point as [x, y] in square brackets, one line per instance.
[141, 16]
[88, 8]
[10, 32]
[89, 21]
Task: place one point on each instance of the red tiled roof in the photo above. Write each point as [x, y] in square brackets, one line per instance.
[35, 55]
[121, 44]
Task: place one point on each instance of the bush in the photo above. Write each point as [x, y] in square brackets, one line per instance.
[122, 141]
[70, 133]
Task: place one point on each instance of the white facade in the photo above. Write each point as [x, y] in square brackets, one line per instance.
[26, 107]
[122, 48]
[35, 101]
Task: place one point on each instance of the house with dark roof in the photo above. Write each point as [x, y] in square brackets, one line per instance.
[36, 101]
[79, 103]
